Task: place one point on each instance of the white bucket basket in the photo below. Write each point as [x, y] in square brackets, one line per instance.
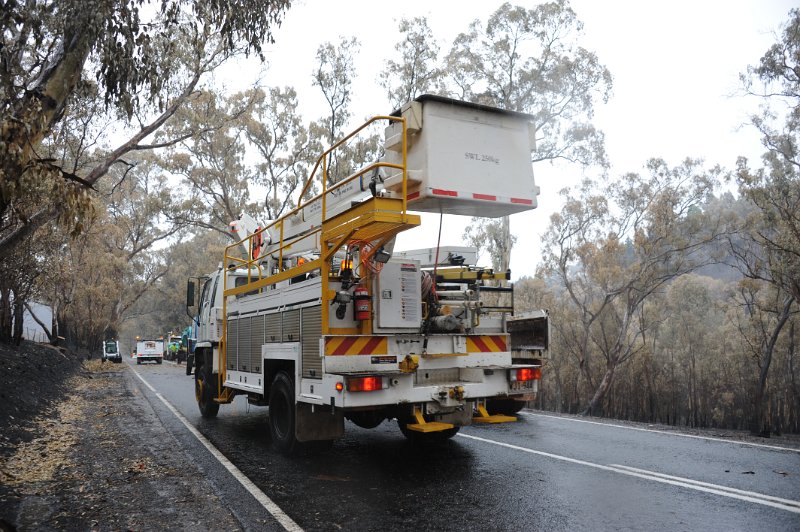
[463, 158]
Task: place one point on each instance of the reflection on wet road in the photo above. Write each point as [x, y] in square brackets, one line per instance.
[542, 472]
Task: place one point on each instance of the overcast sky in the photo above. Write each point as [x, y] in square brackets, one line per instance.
[675, 67]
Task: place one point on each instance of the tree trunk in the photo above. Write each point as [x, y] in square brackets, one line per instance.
[602, 389]
[505, 253]
[47, 331]
[5, 314]
[19, 321]
[758, 423]
[54, 330]
[794, 403]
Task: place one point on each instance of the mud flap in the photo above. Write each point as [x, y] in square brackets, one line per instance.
[316, 422]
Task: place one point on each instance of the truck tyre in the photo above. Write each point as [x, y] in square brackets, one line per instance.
[158, 361]
[508, 407]
[189, 360]
[205, 389]
[138, 361]
[282, 413]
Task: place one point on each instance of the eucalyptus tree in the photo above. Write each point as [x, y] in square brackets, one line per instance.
[418, 71]
[769, 251]
[529, 60]
[690, 349]
[147, 57]
[210, 163]
[613, 245]
[163, 306]
[86, 283]
[275, 129]
[93, 279]
[139, 222]
[334, 75]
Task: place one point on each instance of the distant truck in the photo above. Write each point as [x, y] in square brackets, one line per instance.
[172, 348]
[149, 350]
[529, 339]
[111, 351]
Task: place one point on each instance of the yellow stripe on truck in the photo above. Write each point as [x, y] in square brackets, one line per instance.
[356, 345]
[487, 344]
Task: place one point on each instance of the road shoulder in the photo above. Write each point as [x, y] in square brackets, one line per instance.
[104, 461]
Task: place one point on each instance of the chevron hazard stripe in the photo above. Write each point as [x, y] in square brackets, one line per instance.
[356, 345]
[487, 344]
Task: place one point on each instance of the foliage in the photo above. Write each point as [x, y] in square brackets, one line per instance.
[613, 246]
[417, 72]
[147, 57]
[275, 129]
[767, 251]
[529, 60]
[163, 307]
[334, 76]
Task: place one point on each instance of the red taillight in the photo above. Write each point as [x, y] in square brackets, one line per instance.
[339, 386]
[365, 384]
[525, 374]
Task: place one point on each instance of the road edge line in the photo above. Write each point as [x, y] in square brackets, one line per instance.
[267, 503]
[754, 494]
[668, 433]
[651, 477]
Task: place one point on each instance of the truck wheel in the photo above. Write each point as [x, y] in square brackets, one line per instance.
[158, 361]
[282, 413]
[189, 361]
[425, 437]
[508, 407]
[205, 389]
[138, 362]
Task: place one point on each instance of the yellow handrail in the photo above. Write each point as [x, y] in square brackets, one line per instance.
[231, 261]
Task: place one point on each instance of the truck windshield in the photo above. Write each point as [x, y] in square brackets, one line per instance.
[111, 347]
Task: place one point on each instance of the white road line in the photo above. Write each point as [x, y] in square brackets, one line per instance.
[260, 496]
[749, 496]
[669, 433]
[787, 502]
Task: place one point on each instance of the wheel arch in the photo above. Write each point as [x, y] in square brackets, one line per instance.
[271, 367]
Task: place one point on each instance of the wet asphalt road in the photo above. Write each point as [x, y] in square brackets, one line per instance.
[541, 473]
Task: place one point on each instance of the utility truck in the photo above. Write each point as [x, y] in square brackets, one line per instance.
[315, 316]
[172, 345]
[149, 350]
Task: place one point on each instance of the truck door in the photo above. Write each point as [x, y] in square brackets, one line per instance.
[206, 327]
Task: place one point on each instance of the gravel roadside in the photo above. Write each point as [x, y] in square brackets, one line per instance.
[100, 459]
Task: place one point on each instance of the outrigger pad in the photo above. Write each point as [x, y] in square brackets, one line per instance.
[427, 426]
[484, 417]
[430, 426]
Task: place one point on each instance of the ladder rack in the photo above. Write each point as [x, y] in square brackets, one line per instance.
[321, 226]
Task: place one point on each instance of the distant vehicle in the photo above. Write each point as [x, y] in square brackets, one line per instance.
[111, 351]
[172, 348]
[149, 350]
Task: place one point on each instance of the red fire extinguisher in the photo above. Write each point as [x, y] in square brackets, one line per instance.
[362, 303]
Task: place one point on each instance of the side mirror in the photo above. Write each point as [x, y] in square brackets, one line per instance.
[190, 287]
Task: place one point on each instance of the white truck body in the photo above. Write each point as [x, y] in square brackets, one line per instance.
[313, 316]
[152, 350]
